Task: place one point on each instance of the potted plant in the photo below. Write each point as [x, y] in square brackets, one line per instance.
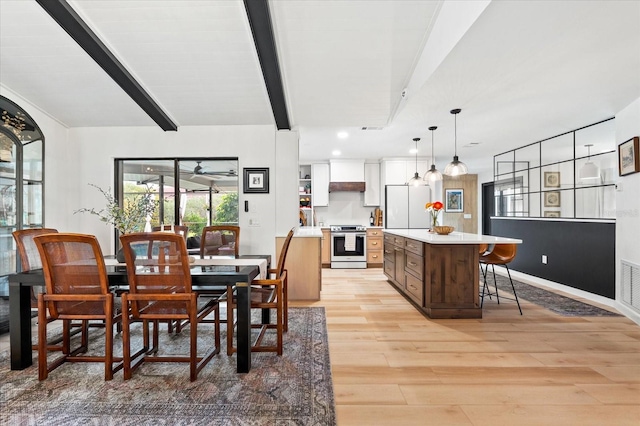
[130, 217]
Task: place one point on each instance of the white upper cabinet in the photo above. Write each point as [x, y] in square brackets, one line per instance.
[320, 184]
[347, 171]
[372, 182]
[394, 172]
[398, 172]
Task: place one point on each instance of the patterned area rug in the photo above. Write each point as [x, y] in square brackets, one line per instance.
[295, 389]
[557, 303]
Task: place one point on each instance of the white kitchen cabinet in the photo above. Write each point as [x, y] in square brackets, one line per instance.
[372, 182]
[347, 170]
[320, 184]
[395, 172]
[399, 172]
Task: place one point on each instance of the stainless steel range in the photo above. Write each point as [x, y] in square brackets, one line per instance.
[348, 246]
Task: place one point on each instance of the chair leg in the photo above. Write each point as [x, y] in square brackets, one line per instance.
[230, 321]
[42, 340]
[285, 312]
[495, 283]
[514, 289]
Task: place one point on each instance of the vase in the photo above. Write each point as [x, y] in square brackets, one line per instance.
[434, 222]
[120, 255]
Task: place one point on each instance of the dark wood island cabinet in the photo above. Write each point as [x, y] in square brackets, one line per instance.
[439, 274]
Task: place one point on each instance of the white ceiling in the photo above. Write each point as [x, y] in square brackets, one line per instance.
[520, 70]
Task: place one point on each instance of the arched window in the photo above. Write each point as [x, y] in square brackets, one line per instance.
[21, 181]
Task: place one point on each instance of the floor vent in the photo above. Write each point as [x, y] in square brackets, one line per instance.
[630, 284]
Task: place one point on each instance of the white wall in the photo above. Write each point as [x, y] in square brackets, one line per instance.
[97, 147]
[627, 202]
[286, 179]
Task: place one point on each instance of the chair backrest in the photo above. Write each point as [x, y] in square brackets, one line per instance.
[283, 252]
[178, 229]
[163, 269]
[29, 255]
[72, 264]
[220, 240]
[482, 248]
[504, 253]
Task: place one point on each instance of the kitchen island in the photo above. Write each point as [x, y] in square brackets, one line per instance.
[303, 264]
[439, 274]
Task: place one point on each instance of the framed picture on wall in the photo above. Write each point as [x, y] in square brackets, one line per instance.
[552, 179]
[454, 201]
[551, 213]
[256, 181]
[629, 157]
[552, 199]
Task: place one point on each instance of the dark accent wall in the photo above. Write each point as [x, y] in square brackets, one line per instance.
[579, 254]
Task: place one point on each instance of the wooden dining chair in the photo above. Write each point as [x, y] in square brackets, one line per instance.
[77, 289]
[501, 254]
[220, 240]
[30, 259]
[160, 290]
[266, 294]
[28, 251]
[178, 229]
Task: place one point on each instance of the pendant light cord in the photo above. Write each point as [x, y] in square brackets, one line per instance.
[455, 134]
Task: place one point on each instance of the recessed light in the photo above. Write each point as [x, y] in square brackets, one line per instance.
[336, 152]
[343, 135]
[413, 151]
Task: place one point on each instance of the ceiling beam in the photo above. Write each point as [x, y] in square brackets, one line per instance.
[262, 30]
[73, 24]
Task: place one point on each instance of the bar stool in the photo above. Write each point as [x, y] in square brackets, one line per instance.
[501, 254]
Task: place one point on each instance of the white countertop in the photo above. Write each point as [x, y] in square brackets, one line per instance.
[308, 232]
[453, 238]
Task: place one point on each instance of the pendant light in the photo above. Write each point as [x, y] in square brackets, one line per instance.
[416, 180]
[456, 167]
[433, 174]
[589, 170]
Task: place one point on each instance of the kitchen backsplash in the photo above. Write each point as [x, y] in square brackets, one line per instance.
[345, 208]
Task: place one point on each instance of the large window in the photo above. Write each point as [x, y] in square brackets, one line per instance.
[571, 175]
[194, 192]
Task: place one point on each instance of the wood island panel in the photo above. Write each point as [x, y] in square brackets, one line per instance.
[304, 268]
[442, 280]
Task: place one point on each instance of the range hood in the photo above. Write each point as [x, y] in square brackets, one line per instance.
[347, 175]
[347, 186]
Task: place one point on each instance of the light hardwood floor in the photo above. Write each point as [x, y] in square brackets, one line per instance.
[393, 366]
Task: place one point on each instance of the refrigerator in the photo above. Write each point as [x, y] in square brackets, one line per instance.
[405, 206]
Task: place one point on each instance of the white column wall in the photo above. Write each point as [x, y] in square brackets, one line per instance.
[627, 203]
[286, 180]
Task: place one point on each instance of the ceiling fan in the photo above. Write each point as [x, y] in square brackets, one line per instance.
[200, 170]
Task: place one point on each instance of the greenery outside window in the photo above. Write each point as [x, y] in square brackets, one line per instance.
[194, 192]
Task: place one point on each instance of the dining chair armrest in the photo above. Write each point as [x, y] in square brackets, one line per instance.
[275, 281]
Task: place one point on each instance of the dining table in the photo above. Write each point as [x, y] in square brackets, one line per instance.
[209, 275]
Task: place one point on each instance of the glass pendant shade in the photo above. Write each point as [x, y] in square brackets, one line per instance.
[416, 180]
[432, 175]
[589, 170]
[456, 167]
